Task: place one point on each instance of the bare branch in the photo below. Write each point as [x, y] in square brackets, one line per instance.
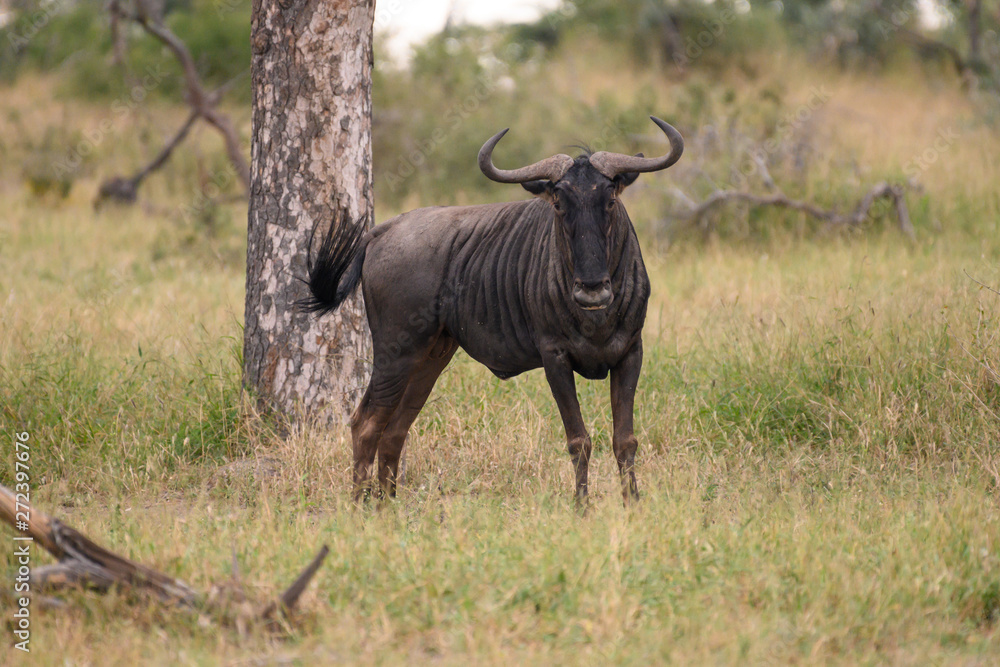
[203, 105]
[117, 34]
[765, 174]
[221, 122]
[124, 189]
[291, 596]
[983, 285]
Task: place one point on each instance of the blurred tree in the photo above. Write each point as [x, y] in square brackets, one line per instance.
[968, 22]
[873, 31]
[74, 39]
[677, 32]
[311, 165]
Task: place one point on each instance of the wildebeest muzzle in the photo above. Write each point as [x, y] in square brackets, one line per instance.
[596, 296]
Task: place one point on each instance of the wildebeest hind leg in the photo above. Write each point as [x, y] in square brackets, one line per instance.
[419, 387]
[367, 425]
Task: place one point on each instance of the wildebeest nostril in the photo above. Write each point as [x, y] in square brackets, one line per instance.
[597, 286]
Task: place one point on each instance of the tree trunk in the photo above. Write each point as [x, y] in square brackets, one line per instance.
[310, 157]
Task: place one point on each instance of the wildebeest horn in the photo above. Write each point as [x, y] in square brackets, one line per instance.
[551, 168]
[612, 164]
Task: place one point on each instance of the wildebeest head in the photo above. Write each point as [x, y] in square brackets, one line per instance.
[584, 197]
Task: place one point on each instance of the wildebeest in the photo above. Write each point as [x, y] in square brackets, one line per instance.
[555, 282]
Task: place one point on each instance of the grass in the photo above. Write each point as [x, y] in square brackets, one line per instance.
[818, 424]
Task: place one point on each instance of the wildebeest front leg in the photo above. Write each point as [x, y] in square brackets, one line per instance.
[624, 379]
[559, 373]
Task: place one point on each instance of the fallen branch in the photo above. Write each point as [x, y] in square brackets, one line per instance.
[82, 563]
[697, 212]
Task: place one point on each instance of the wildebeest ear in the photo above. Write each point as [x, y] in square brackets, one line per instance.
[538, 187]
[622, 181]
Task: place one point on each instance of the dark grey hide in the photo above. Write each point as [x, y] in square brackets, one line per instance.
[556, 282]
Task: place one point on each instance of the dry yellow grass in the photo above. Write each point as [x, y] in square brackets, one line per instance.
[818, 425]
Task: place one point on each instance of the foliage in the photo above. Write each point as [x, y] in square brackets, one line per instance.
[77, 42]
[879, 33]
[679, 33]
[850, 32]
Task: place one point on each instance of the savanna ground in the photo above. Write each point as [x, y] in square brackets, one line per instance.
[819, 425]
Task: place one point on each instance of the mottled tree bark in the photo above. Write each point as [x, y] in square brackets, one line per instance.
[310, 157]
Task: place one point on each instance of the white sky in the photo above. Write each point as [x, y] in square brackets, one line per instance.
[411, 21]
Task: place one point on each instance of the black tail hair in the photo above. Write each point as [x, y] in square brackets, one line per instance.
[335, 271]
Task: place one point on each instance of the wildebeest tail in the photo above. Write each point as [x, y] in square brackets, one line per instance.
[335, 270]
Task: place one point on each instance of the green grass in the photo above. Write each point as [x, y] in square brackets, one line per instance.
[819, 454]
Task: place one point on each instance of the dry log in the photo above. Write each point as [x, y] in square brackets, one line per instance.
[84, 563]
[80, 560]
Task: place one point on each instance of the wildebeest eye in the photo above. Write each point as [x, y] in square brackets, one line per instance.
[611, 204]
[557, 205]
